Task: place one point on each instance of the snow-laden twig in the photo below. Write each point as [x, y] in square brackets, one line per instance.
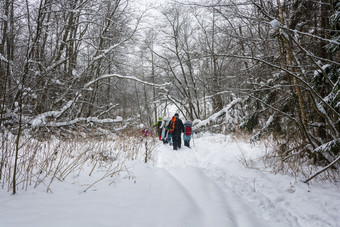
[258, 134]
[308, 86]
[322, 170]
[106, 51]
[2, 58]
[311, 35]
[327, 147]
[115, 75]
[313, 57]
[108, 110]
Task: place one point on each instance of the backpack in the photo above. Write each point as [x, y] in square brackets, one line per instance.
[172, 125]
[187, 130]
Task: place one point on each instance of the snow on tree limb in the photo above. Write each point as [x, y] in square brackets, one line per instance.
[216, 115]
[259, 133]
[88, 120]
[304, 82]
[115, 75]
[40, 120]
[106, 51]
[313, 36]
[327, 147]
[2, 58]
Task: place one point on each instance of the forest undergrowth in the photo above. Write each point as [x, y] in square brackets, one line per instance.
[280, 157]
[292, 159]
[42, 162]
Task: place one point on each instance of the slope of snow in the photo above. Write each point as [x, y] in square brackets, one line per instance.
[206, 185]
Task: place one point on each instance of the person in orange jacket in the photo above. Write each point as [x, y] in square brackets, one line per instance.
[176, 128]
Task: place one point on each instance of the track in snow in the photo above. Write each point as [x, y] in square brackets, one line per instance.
[210, 205]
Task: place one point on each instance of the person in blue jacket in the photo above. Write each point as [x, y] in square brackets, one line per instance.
[187, 133]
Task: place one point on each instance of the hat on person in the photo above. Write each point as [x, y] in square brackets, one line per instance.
[176, 115]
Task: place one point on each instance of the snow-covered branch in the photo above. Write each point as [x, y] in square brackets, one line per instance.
[216, 115]
[327, 147]
[40, 120]
[115, 75]
[259, 133]
[88, 120]
[2, 58]
[308, 86]
[311, 35]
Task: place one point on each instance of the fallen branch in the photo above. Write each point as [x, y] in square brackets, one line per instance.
[322, 170]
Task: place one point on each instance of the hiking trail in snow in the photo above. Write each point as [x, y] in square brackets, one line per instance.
[204, 186]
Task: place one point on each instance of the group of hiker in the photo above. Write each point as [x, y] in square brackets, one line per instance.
[170, 131]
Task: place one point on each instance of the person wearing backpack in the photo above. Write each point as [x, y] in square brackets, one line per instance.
[176, 127]
[158, 125]
[165, 130]
[187, 133]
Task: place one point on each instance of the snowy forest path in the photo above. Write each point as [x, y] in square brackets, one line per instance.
[207, 185]
[210, 204]
[211, 183]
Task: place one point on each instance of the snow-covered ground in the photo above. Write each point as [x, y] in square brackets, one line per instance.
[204, 186]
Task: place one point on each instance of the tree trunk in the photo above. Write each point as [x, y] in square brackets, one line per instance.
[218, 103]
[4, 66]
[290, 63]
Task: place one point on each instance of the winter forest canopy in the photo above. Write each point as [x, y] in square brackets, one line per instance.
[265, 68]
